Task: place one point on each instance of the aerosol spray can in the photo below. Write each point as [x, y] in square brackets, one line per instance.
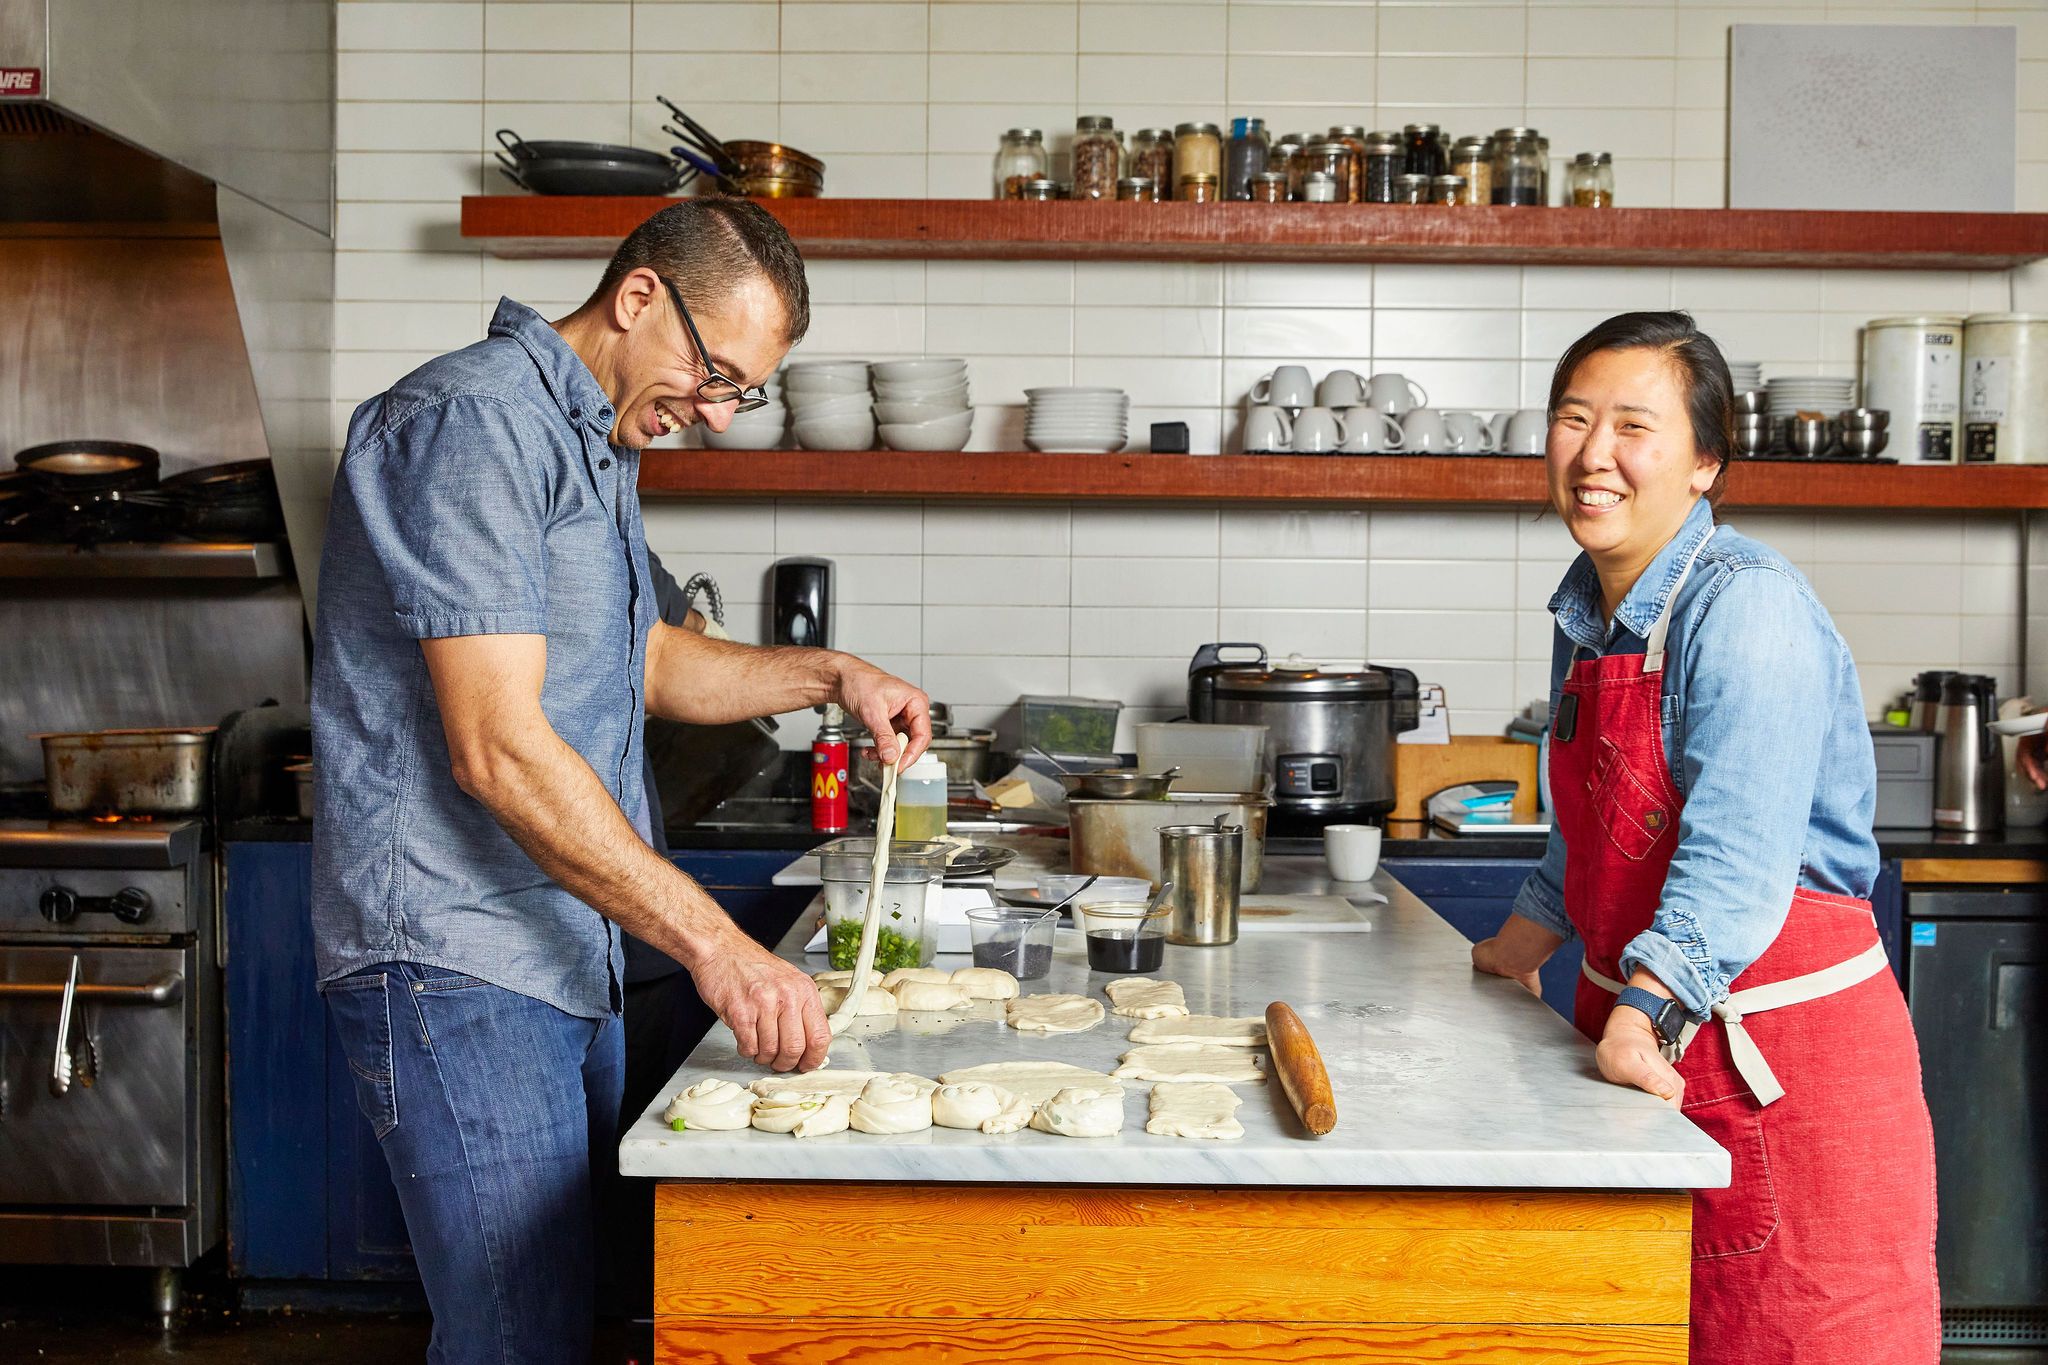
[829, 760]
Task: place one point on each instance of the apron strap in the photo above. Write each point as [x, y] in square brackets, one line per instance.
[1731, 1010]
[1653, 657]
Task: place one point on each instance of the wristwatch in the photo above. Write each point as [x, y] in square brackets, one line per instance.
[1667, 1017]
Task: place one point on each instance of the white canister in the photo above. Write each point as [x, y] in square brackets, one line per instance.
[2005, 388]
[1913, 369]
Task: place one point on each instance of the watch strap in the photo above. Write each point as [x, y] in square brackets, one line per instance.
[1664, 1012]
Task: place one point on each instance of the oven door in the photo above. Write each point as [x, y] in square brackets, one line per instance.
[118, 1133]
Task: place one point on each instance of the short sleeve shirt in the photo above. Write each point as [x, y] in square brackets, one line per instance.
[480, 495]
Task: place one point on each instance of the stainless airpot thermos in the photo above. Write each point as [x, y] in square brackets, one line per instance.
[1969, 769]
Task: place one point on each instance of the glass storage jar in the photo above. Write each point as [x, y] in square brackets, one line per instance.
[1040, 191]
[1021, 158]
[1385, 158]
[1098, 157]
[1448, 189]
[1471, 158]
[1517, 167]
[1592, 180]
[1543, 163]
[1137, 189]
[1269, 187]
[1333, 159]
[1284, 156]
[1152, 158]
[1352, 189]
[1244, 157]
[1319, 187]
[1425, 149]
[1198, 189]
[908, 934]
[1411, 189]
[1197, 150]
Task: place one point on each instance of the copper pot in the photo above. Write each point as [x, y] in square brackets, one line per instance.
[777, 160]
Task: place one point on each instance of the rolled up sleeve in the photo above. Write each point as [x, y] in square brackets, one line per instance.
[455, 512]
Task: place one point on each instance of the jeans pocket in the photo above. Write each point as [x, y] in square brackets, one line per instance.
[1741, 1218]
[360, 1006]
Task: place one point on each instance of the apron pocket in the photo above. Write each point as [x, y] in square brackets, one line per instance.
[1741, 1218]
[1636, 819]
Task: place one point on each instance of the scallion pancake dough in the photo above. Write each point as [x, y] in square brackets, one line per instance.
[847, 1083]
[873, 1001]
[1082, 1112]
[930, 995]
[1202, 1028]
[1141, 997]
[1194, 1109]
[1032, 1082]
[892, 1104]
[710, 1104]
[986, 983]
[1054, 1013]
[803, 1113]
[844, 979]
[935, 975]
[1190, 1062]
[977, 1105]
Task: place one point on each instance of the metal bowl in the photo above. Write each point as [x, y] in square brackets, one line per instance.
[1812, 436]
[1865, 443]
[1755, 400]
[1122, 784]
[1864, 419]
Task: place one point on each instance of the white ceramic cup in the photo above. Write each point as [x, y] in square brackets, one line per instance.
[1526, 433]
[1287, 387]
[1424, 432]
[1352, 851]
[1267, 429]
[1318, 431]
[1368, 431]
[1341, 389]
[1395, 394]
[1474, 436]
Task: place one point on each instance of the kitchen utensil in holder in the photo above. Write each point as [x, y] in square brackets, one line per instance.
[1203, 864]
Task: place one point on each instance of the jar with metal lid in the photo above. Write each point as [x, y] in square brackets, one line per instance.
[1319, 187]
[1269, 187]
[1472, 158]
[1517, 167]
[1244, 156]
[1040, 191]
[1020, 158]
[1331, 158]
[1425, 149]
[1543, 165]
[1152, 158]
[1411, 189]
[1138, 189]
[1591, 181]
[1199, 189]
[1353, 138]
[1448, 189]
[1284, 156]
[1197, 150]
[1385, 159]
[1098, 157]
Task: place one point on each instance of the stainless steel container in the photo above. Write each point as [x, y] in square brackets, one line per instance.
[1969, 772]
[1204, 863]
[127, 772]
[1112, 838]
[1913, 368]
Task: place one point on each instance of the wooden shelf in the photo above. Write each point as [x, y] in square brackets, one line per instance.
[562, 225]
[1344, 480]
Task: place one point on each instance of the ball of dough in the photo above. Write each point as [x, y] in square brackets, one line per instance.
[975, 1105]
[902, 974]
[710, 1104]
[1082, 1112]
[803, 1113]
[890, 1105]
[874, 1000]
[930, 995]
[825, 979]
[986, 983]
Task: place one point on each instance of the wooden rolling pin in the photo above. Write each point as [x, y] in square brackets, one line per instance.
[1300, 1068]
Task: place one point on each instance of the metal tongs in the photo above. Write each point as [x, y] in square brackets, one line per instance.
[701, 149]
[60, 1067]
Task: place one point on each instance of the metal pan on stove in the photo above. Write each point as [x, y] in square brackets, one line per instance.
[87, 466]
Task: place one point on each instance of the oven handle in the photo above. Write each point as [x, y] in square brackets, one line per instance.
[161, 991]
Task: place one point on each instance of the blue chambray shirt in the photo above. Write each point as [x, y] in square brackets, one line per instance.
[1767, 742]
[480, 495]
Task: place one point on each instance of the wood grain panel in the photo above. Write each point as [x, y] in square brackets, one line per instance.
[701, 1341]
[1976, 871]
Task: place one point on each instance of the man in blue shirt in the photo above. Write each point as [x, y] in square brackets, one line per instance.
[488, 637]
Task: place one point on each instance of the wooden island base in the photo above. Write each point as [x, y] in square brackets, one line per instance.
[800, 1274]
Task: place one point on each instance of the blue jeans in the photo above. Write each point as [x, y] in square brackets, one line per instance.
[491, 1108]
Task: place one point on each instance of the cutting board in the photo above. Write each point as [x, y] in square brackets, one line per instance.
[1303, 914]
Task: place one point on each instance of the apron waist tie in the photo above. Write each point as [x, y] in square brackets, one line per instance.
[1731, 1009]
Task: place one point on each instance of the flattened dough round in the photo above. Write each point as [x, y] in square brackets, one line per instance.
[847, 1083]
[711, 1103]
[1140, 997]
[891, 1104]
[1194, 1109]
[1054, 1013]
[873, 1001]
[937, 976]
[986, 983]
[1202, 1028]
[1032, 1082]
[1190, 1062]
[803, 1114]
[1082, 1112]
[930, 995]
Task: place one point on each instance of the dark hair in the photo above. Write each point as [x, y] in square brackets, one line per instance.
[706, 247]
[1702, 372]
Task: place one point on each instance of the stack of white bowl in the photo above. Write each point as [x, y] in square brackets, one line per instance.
[1076, 421]
[830, 406]
[761, 429]
[1787, 394]
[1747, 374]
[923, 404]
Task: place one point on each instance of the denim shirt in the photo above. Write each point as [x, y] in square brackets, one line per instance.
[480, 495]
[1765, 736]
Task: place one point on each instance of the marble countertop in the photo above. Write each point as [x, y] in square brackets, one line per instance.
[1443, 1079]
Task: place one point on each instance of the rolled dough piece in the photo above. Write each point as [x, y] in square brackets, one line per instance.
[874, 1000]
[803, 1113]
[1082, 1112]
[1190, 1062]
[710, 1104]
[930, 995]
[986, 983]
[978, 1105]
[935, 975]
[1054, 1013]
[1194, 1109]
[1143, 998]
[891, 1104]
[1032, 1082]
[1202, 1028]
[847, 1083]
[844, 979]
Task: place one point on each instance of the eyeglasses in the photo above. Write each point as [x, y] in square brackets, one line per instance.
[716, 388]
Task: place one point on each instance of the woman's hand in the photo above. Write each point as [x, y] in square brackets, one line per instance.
[2031, 761]
[1517, 952]
[1628, 1055]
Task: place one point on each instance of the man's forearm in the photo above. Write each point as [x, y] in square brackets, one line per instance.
[712, 682]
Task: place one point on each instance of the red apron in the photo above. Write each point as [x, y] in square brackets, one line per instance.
[1821, 1249]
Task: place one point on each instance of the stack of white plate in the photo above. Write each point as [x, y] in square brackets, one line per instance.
[830, 406]
[1747, 374]
[923, 404]
[1077, 421]
[1790, 393]
[761, 429]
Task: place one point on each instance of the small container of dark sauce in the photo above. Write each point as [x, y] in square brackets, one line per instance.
[1124, 936]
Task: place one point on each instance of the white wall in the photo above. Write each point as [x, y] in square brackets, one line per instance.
[980, 604]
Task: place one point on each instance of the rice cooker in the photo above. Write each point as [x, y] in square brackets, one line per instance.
[1330, 731]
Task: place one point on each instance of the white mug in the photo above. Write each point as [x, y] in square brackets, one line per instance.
[1353, 851]
[1395, 394]
[1341, 389]
[1424, 432]
[1267, 429]
[1318, 431]
[1474, 436]
[1287, 387]
[1525, 433]
[1368, 431]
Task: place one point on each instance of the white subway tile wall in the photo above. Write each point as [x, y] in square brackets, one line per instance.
[982, 603]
